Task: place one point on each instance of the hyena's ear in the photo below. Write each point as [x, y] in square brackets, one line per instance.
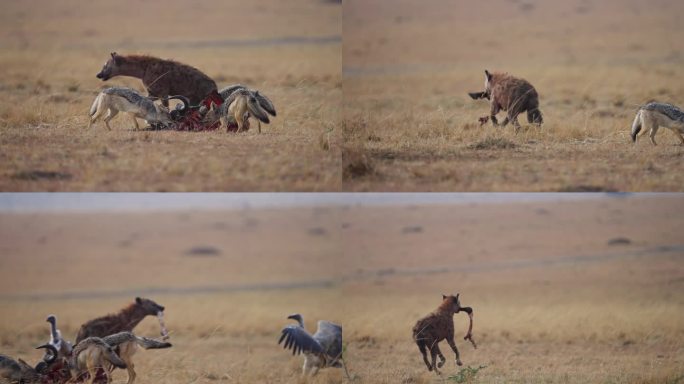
[114, 54]
[488, 75]
[443, 296]
[138, 300]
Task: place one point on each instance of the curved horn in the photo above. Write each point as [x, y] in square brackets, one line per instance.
[52, 349]
[183, 99]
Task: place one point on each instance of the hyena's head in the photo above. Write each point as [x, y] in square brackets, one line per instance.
[111, 67]
[452, 303]
[150, 307]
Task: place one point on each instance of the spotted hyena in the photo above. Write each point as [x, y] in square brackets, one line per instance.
[438, 326]
[510, 94]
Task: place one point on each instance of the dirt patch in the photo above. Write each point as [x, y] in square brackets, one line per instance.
[41, 175]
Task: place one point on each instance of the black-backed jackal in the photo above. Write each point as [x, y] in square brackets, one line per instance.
[91, 354]
[126, 344]
[238, 107]
[116, 99]
[654, 115]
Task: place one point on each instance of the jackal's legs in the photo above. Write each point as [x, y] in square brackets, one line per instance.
[110, 115]
[135, 121]
[679, 135]
[652, 133]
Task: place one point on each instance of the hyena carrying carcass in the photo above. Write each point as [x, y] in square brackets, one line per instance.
[437, 326]
[512, 95]
[117, 99]
[654, 115]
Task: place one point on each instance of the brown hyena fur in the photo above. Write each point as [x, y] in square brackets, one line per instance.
[162, 78]
[437, 326]
[510, 94]
[127, 319]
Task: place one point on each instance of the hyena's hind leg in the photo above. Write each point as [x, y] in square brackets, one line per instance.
[534, 116]
[434, 349]
[511, 117]
[442, 359]
[423, 351]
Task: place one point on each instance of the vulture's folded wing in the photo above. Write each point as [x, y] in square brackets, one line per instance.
[329, 336]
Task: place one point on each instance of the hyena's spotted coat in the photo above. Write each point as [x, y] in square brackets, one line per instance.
[437, 326]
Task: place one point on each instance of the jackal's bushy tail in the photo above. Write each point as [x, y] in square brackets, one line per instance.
[93, 108]
[126, 337]
[636, 126]
[258, 112]
[152, 343]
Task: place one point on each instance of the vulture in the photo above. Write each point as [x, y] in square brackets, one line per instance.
[322, 349]
[62, 346]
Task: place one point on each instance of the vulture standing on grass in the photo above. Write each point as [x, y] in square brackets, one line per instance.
[323, 349]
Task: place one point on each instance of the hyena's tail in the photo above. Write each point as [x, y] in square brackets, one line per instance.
[258, 112]
[636, 125]
[93, 108]
[151, 343]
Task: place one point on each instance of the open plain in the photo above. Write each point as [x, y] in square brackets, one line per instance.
[585, 291]
[51, 51]
[409, 124]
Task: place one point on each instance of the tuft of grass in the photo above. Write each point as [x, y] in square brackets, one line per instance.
[466, 375]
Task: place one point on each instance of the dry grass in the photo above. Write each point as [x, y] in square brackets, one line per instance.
[408, 67]
[554, 301]
[50, 56]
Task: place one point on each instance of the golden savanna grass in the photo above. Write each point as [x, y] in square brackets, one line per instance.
[51, 52]
[407, 68]
[583, 291]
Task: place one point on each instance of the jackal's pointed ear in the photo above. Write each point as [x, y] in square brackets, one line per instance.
[114, 54]
[456, 299]
[488, 75]
[443, 296]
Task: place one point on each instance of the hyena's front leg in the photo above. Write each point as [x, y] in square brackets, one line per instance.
[494, 109]
[452, 344]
